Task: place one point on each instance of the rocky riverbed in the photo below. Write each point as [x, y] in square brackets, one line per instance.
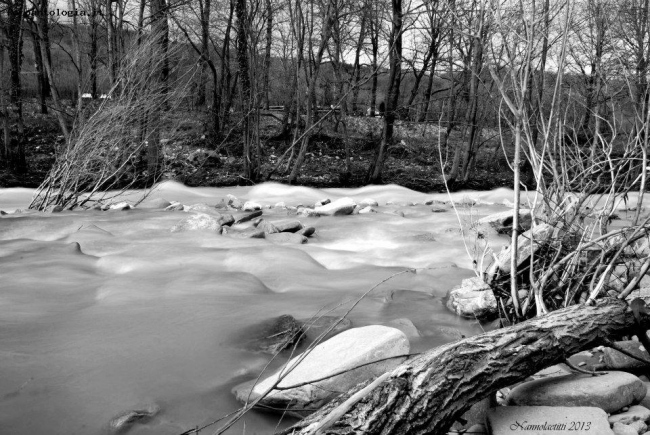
[145, 317]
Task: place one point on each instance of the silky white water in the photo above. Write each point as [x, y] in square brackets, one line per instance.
[104, 312]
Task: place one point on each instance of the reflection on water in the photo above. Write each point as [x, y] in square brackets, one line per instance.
[104, 312]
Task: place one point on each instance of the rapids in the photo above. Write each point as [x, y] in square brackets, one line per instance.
[105, 312]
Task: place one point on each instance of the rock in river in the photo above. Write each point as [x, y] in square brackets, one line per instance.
[347, 350]
[289, 227]
[251, 206]
[341, 206]
[275, 335]
[199, 221]
[267, 227]
[610, 392]
[156, 203]
[473, 299]
[123, 422]
[293, 238]
[537, 237]
[307, 231]
[502, 222]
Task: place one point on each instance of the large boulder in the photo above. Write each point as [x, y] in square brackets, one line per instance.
[341, 206]
[537, 237]
[341, 353]
[502, 222]
[472, 299]
[610, 392]
[198, 221]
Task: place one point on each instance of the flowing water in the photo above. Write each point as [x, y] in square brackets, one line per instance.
[104, 312]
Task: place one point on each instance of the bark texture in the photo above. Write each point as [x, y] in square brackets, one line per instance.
[427, 394]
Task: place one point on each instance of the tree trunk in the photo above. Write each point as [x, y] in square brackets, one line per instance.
[223, 92]
[205, 7]
[418, 75]
[429, 89]
[244, 71]
[110, 43]
[93, 26]
[16, 152]
[140, 30]
[472, 110]
[267, 53]
[43, 19]
[76, 44]
[50, 77]
[392, 93]
[429, 392]
[356, 69]
[41, 77]
[160, 31]
[4, 111]
[374, 41]
[328, 21]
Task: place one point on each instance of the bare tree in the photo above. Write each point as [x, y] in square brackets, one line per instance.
[327, 24]
[14, 33]
[160, 31]
[392, 93]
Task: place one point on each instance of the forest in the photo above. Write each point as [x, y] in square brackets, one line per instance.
[324, 93]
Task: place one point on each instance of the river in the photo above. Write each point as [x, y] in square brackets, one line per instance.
[133, 314]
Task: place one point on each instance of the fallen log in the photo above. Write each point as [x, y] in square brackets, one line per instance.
[429, 392]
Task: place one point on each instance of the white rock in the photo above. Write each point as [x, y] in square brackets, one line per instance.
[344, 351]
[472, 299]
[280, 204]
[156, 203]
[341, 206]
[634, 413]
[251, 206]
[198, 221]
[639, 426]
[367, 209]
[121, 206]
[622, 429]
